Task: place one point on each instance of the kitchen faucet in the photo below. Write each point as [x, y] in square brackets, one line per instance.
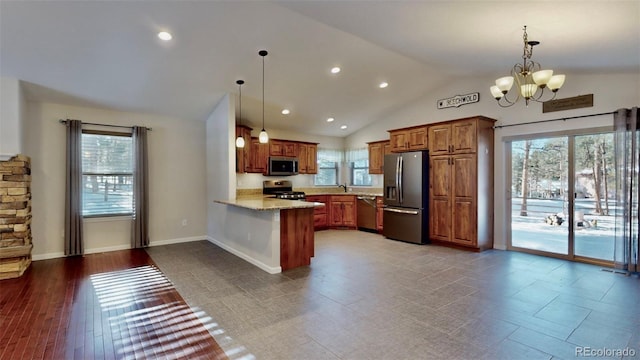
[343, 186]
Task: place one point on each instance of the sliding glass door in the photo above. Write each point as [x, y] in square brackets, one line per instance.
[539, 202]
[595, 205]
[562, 196]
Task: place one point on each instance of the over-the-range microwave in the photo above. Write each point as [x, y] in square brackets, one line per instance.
[282, 166]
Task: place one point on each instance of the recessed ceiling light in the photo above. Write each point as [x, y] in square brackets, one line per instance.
[330, 119]
[335, 70]
[285, 112]
[343, 127]
[383, 85]
[163, 35]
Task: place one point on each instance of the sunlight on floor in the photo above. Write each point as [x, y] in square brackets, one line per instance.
[147, 318]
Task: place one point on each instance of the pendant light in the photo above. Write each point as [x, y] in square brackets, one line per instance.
[263, 137]
[240, 138]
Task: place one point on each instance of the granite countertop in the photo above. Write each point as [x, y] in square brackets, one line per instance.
[262, 203]
[356, 193]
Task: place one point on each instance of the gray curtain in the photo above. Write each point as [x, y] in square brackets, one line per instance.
[73, 225]
[140, 227]
[627, 157]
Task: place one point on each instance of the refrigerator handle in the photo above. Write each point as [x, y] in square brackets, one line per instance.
[398, 177]
[400, 189]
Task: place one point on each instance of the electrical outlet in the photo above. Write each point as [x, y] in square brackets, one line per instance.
[184, 222]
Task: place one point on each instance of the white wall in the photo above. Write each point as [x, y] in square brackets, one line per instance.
[11, 118]
[611, 92]
[176, 171]
[249, 234]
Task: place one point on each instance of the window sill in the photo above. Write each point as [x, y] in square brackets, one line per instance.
[92, 219]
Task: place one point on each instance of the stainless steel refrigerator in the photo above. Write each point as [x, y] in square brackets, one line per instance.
[406, 201]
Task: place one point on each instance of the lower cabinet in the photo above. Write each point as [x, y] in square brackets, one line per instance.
[320, 218]
[342, 211]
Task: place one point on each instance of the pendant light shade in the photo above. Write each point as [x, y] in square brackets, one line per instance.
[240, 139]
[263, 137]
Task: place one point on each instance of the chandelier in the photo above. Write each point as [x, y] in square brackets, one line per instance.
[531, 81]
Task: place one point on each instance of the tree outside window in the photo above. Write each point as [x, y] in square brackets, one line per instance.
[107, 174]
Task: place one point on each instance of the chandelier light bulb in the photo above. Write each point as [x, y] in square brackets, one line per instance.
[528, 90]
[504, 83]
[542, 77]
[496, 92]
[556, 82]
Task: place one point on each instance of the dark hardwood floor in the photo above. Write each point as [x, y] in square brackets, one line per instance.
[113, 305]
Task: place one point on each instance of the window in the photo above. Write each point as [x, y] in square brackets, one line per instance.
[360, 173]
[107, 174]
[358, 160]
[328, 162]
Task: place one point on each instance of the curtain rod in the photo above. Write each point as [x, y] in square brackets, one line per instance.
[560, 119]
[62, 121]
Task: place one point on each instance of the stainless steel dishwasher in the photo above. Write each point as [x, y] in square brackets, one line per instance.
[366, 213]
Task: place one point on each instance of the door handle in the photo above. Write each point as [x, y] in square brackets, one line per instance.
[399, 211]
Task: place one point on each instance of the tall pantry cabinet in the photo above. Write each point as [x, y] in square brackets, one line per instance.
[461, 182]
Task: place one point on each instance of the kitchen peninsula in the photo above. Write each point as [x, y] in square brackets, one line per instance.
[293, 245]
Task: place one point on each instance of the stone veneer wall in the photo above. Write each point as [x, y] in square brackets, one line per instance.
[15, 216]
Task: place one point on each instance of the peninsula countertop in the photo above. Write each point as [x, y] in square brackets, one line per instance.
[262, 203]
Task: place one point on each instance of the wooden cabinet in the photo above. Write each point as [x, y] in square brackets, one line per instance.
[379, 213]
[342, 211]
[377, 151]
[453, 137]
[307, 158]
[461, 182]
[258, 156]
[409, 139]
[283, 148]
[243, 154]
[320, 214]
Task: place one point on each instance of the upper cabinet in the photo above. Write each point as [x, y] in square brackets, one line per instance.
[283, 148]
[243, 154]
[307, 158]
[258, 156]
[254, 157]
[409, 139]
[457, 137]
[377, 151]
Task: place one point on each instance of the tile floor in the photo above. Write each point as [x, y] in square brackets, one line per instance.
[366, 297]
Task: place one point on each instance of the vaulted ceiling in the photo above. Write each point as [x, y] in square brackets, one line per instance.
[106, 53]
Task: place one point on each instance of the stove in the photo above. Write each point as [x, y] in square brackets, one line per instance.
[291, 195]
[281, 189]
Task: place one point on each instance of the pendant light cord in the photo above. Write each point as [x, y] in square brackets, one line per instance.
[240, 82]
[263, 91]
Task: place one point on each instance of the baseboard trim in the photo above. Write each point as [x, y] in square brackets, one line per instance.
[47, 256]
[240, 254]
[107, 249]
[57, 255]
[177, 241]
